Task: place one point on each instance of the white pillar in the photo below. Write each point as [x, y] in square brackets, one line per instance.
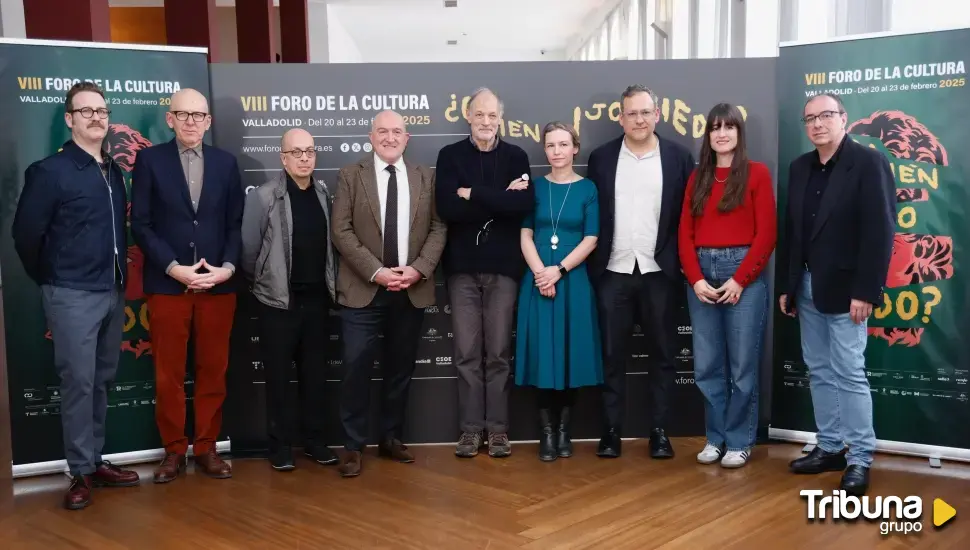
[12, 19]
[318, 29]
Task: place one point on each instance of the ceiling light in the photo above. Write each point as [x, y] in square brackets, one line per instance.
[451, 3]
[452, 42]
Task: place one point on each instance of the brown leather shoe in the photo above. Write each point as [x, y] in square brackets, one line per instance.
[395, 450]
[350, 464]
[109, 475]
[211, 465]
[170, 468]
[78, 494]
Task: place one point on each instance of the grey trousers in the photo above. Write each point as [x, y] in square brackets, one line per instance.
[482, 318]
[86, 327]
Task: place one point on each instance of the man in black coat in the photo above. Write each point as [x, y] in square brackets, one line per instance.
[840, 222]
[641, 178]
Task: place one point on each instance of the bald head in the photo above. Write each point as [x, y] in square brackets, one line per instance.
[189, 116]
[188, 99]
[297, 136]
[299, 156]
[389, 136]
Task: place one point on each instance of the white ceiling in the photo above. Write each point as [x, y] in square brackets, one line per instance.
[417, 30]
[391, 30]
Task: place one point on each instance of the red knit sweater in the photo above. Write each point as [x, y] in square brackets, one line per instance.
[753, 223]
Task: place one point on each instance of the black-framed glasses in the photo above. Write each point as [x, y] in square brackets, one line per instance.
[823, 116]
[298, 153]
[184, 115]
[88, 112]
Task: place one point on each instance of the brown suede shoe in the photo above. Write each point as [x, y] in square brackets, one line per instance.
[350, 464]
[395, 450]
[78, 494]
[211, 465]
[109, 475]
[170, 468]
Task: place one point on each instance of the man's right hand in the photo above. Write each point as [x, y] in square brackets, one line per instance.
[390, 279]
[783, 303]
[189, 276]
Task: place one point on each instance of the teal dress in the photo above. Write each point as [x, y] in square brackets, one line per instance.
[557, 343]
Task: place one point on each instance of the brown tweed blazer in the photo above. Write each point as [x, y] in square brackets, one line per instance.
[359, 239]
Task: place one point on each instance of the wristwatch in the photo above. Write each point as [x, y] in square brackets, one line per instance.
[562, 270]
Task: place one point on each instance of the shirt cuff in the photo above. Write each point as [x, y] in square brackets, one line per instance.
[170, 266]
[229, 266]
[374, 276]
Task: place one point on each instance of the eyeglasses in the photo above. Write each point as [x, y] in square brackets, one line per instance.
[298, 153]
[824, 116]
[184, 115]
[646, 113]
[88, 112]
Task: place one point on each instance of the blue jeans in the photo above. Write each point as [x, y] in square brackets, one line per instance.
[833, 348]
[728, 340]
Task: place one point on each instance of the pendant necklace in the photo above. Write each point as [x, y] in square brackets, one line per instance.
[555, 226]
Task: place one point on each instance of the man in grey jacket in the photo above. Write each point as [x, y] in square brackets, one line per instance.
[290, 262]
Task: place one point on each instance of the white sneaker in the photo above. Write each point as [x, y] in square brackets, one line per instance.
[735, 459]
[709, 455]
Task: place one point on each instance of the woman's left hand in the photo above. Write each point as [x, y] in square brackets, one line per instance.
[547, 277]
[730, 292]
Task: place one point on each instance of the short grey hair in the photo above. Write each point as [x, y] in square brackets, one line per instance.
[635, 89]
[483, 90]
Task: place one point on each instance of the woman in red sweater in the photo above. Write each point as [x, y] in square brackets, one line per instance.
[727, 234]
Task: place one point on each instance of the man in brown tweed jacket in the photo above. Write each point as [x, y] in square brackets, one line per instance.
[390, 239]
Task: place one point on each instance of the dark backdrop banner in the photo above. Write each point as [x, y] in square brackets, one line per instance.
[34, 78]
[906, 96]
[255, 104]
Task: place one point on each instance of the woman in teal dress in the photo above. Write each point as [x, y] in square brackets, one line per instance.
[557, 336]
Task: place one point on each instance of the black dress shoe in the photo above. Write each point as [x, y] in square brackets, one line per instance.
[855, 480]
[282, 459]
[660, 446]
[320, 453]
[818, 461]
[611, 446]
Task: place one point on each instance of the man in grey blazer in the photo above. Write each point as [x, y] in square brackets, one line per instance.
[289, 260]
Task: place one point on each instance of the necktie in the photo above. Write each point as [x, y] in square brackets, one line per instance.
[390, 221]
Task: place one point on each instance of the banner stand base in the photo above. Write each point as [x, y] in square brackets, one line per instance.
[118, 459]
[931, 452]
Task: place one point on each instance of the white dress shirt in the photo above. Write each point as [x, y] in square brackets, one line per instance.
[403, 203]
[639, 192]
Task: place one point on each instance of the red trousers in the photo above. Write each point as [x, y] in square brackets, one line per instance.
[171, 319]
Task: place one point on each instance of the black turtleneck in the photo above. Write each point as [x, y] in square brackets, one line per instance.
[309, 270]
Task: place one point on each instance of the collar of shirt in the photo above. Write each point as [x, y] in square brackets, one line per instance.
[624, 150]
[492, 148]
[182, 148]
[380, 165]
[835, 157]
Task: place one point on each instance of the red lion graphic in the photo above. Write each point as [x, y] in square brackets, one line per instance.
[916, 258]
[903, 135]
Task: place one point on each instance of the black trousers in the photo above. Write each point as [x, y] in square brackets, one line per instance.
[650, 299]
[301, 335]
[393, 315]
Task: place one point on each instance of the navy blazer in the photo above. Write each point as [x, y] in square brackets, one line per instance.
[678, 163]
[167, 228]
[851, 241]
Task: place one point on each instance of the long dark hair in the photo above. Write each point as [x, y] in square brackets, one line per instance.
[737, 182]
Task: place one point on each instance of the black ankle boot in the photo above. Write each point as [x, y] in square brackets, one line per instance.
[547, 439]
[564, 444]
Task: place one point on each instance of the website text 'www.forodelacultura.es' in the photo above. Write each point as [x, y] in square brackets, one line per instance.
[903, 515]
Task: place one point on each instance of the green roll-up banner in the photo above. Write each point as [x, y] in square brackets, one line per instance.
[908, 97]
[138, 82]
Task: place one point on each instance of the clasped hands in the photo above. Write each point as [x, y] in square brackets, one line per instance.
[728, 293]
[546, 279]
[397, 278]
[518, 184]
[189, 275]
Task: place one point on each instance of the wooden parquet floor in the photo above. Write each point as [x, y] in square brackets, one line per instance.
[444, 502]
